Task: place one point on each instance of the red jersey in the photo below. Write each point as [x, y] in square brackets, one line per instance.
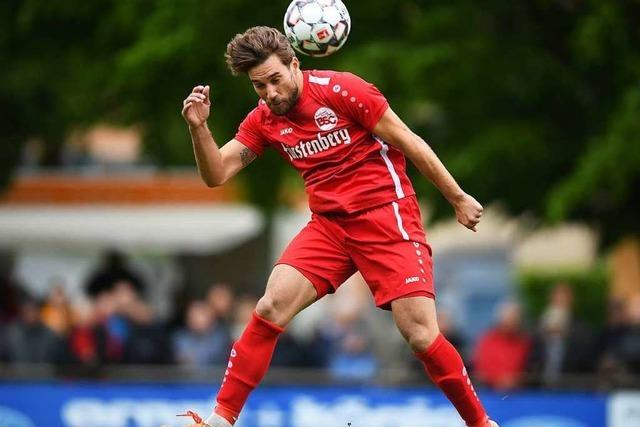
[327, 136]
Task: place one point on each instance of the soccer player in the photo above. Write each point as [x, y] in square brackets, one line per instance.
[339, 132]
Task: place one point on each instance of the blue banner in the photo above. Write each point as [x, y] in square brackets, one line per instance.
[71, 404]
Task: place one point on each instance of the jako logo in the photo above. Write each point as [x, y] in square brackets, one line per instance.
[12, 418]
[411, 280]
[286, 131]
[325, 118]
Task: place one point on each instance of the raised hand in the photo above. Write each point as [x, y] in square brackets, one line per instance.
[196, 106]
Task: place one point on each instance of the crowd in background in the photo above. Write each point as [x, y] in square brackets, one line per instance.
[115, 324]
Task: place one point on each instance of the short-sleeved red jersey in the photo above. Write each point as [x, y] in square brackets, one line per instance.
[327, 136]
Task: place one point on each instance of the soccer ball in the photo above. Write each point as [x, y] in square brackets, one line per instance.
[317, 27]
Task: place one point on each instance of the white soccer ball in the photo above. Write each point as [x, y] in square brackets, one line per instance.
[317, 27]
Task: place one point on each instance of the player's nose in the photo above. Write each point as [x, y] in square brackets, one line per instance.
[272, 93]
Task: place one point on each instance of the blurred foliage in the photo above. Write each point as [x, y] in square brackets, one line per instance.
[589, 289]
[534, 103]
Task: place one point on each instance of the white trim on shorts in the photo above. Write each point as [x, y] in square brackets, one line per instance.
[396, 210]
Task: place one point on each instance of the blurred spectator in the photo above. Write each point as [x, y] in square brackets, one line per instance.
[220, 300]
[449, 330]
[203, 342]
[10, 301]
[502, 352]
[146, 340]
[56, 313]
[242, 314]
[626, 349]
[112, 270]
[292, 352]
[126, 329]
[562, 344]
[296, 352]
[82, 337]
[149, 343]
[111, 330]
[612, 371]
[130, 304]
[30, 341]
[350, 355]
[118, 326]
[615, 327]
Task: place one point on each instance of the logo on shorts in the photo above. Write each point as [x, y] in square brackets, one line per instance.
[325, 118]
[411, 280]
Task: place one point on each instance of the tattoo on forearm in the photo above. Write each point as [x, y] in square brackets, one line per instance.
[247, 156]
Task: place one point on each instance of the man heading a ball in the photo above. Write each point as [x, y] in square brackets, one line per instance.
[339, 132]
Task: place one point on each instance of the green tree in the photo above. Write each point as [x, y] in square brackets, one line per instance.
[531, 103]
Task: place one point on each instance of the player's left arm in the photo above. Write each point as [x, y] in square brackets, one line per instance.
[393, 131]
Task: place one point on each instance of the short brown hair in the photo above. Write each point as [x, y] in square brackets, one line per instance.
[254, 46]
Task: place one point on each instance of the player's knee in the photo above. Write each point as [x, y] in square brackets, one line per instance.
[420, 337]
[266, 308]
[269, 309]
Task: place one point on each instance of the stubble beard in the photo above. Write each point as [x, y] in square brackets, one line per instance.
[284, 106]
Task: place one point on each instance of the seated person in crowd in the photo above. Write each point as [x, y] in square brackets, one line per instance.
[202, 342]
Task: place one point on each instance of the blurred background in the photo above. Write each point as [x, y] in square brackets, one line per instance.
[124, 279]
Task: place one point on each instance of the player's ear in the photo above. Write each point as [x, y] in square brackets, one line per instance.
[295, 64]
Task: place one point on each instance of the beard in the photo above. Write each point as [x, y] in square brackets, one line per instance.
[283, 105]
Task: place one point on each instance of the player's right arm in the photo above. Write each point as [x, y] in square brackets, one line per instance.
[215, 165]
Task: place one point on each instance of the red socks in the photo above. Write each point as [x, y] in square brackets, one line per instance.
[446, 369]
[248, 363]
[251, 356]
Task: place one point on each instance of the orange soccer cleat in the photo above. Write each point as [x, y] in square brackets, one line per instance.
[214, 420]
[196, 418]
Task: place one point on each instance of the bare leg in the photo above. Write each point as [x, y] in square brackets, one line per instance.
[417, 322]
[416, 319]
[288, 292]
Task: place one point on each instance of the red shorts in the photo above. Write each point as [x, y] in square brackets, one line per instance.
[387, 244]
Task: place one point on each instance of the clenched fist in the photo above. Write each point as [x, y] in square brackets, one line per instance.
[468, 211]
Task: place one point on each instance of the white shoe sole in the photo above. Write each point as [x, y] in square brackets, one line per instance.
[216, 420]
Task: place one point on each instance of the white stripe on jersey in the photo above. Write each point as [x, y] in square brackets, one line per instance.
[324, 81]
[392, 170]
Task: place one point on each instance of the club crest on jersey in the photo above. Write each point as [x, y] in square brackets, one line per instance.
[325, 118]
